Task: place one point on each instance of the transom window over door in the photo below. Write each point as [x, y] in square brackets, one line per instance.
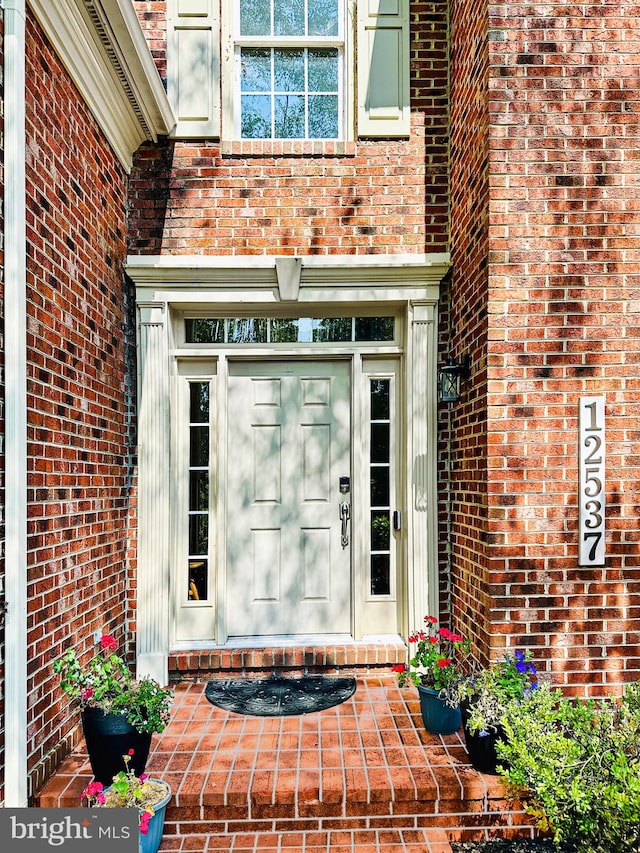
[289, 59]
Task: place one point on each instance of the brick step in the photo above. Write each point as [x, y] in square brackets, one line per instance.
[365, 766]
[293, 658]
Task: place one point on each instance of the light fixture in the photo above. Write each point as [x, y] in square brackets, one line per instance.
[450, 376]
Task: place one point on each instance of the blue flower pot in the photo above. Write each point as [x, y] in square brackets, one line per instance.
[438, 718]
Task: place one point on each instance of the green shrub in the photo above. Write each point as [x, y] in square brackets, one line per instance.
[576, 767]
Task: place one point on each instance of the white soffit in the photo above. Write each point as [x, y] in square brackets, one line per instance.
[102, 46]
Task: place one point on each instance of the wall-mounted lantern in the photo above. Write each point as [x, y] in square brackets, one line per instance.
[450, 377]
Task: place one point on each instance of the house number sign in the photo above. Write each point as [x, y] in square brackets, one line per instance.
[592, 481]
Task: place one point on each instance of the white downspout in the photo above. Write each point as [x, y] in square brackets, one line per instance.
[15, 363]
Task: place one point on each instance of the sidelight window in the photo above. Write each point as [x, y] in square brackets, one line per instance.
[380, 487]
[199, 483]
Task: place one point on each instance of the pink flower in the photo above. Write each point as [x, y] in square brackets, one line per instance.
[108, 642]
[94, 789]
[145, 817]
[86, 693]
[456, 638]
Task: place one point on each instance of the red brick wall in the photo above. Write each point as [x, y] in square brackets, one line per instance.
[79, 392]
[563, 318]
[190, 198]
[463, 426]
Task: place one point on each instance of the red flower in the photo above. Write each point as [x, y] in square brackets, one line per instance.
[444, 662]
[456, 638]
[398, 667]
[131, 751]
[86, 693]
[431, 619]
[108, 642]
[93, 789]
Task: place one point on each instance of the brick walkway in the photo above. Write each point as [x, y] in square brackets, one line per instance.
[363, 776]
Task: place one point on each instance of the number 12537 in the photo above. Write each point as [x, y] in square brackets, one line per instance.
[591, 461]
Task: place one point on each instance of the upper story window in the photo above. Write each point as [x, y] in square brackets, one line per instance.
[289, 58]
[288, 69]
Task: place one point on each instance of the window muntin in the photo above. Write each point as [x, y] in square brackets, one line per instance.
[380, 487]
[289, 69]
[199, 482]
[317, 330]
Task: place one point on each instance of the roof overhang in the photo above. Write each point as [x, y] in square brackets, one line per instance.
[102, 46]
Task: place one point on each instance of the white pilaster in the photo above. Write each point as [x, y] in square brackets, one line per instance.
[15, 414]
[153, 493]
[422, 445]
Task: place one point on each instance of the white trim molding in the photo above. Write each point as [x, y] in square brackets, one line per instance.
[169, 288]
[103, 48]
[15, 354]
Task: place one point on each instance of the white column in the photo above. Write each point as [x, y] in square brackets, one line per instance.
[153, 494]
[15, 414]
[422, 462]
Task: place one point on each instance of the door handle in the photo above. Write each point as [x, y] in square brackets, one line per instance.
[345, 515]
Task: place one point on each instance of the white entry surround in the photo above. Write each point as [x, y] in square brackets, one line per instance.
[170, 290]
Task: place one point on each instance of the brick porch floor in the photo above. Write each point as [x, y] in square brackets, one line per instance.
[364, 776]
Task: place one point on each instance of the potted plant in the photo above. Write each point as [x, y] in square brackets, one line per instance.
[119, 712]
[127, 790]
[437, 664]
[575, 765]
[484, 695]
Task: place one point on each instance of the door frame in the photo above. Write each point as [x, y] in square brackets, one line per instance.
[167, 287]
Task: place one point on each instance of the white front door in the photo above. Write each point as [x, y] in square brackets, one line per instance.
[288, 566]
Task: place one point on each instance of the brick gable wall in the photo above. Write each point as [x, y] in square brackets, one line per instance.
[383, 197]
[463, 426]
[563, 316]
[80, 432]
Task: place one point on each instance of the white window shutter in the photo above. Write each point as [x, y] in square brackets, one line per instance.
[383, 68]
[193, 66]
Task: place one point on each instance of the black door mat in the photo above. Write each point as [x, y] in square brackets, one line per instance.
[277, 696]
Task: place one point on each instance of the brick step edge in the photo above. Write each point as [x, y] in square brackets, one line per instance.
[325, 659]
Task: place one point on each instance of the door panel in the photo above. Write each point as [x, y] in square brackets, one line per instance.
[289, 443]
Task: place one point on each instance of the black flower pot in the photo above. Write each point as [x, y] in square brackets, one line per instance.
[481, 746]
[108, 737]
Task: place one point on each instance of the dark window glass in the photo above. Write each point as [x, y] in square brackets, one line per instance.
[198, 534]
[380, 531]
[284, 331]
[380, 400]
[380, 487]
[380, 442]
[380, 574]
[199, 490]
[198, 585]
[204, 331]
[199, 447]
[374, 328]
[199, 402]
